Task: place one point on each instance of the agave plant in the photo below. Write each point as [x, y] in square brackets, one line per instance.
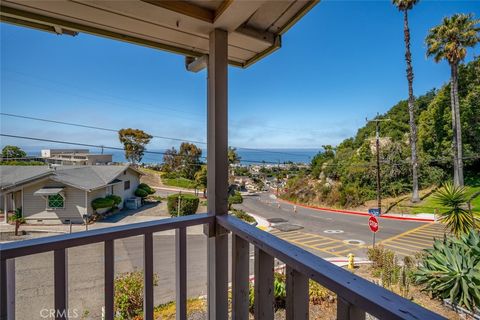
[457, 219]
[451, 270]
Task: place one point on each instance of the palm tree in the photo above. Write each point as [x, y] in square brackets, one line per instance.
[452, 198]
[449, 41]
[404, 6]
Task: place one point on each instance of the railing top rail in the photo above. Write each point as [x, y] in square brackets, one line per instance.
[360, 292]
[33, 246]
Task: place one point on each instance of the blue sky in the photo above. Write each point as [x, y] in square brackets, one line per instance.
[342, 62]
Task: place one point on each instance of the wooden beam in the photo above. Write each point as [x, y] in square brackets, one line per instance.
[264, 298]
[185, 8]
[240, 275]
[217, 163]
[297, 295]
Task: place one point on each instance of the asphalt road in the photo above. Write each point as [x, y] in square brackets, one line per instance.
[325, 233]
[34, 274]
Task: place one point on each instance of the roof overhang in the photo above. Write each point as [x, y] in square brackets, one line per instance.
[47, 192]
[255, 27]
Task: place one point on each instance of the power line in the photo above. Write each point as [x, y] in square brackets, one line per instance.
[155, 136]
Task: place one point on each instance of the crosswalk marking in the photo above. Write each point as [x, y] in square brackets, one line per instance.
[414, 240]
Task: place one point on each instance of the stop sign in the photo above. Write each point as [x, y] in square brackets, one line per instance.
[373, 224]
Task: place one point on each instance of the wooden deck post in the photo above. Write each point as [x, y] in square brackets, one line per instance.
[217, 162]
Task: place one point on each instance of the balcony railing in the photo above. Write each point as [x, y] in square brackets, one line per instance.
[356, 296]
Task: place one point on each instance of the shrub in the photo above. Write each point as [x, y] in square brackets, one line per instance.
[188, 204]
[128, 297]
[457, 219]
[235, 198]
[451, 270]
[279, 293]
[317, 292]
[146, 187]
[100, 203]
[116, 199]
[141, 193]
[242, 215]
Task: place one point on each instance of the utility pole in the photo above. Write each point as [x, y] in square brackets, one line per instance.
[179, 203]
[278, 176]
[377, 150]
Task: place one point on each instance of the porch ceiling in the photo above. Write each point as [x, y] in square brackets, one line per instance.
[183, 27]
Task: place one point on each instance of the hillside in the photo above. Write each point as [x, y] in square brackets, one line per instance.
[345, 176]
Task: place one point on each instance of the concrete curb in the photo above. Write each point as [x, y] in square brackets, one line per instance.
[357, 212]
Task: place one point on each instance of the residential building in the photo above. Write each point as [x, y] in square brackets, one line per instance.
[62, 194]
[74, 157]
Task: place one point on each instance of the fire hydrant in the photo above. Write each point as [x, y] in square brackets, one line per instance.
[351, 261]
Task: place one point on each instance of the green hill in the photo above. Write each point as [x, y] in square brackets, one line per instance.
[346, 175]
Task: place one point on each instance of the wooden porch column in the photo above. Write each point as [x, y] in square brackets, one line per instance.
[217, 162]
[5, 209]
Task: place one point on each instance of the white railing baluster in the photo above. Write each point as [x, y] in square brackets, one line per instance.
[297, 295]
[240, 274]
[263, 285]
[148, 277]
[60, 269]
[347, 311]
[181, 273]
[109, 274]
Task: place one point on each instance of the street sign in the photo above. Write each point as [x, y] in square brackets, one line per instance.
[374, 212]
[373, 224]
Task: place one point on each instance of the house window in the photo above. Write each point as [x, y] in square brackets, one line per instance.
[126, 185]
[55, 201]
[109, 190]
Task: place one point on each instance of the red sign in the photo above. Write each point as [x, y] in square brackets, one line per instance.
[373, 224]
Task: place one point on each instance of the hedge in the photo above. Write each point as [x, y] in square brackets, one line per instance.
[101, 203]
[116, 199]
[188, 204]
[146, 187]
[142, 193]
[236, 198]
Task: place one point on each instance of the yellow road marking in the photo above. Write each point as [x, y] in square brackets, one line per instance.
[336, 246]
[298, 237]
[425, 242]
[402, 248]
[416, 246]
[419, 236]
[318, 249]
[405, 233]
[318, 240]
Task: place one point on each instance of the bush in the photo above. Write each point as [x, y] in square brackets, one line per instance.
[279, 293]
[141, 193]
[146, 187]
[317, 293]
[116, 199]
[235, 198]
[242, 215]
[128, 297]
[451, 270]
[100, 203]
[188, 204]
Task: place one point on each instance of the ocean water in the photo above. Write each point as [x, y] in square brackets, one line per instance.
[248, 156]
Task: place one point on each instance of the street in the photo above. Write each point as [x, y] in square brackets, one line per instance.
[326, 234]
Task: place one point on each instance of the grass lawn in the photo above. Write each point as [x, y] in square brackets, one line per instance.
[429, 204]
[179, 182]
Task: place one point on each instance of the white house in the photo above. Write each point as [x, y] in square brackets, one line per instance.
[62, 194]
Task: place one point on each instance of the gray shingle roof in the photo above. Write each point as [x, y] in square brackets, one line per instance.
[83, 177]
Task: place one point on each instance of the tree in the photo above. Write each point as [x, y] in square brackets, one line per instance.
[18, 219]
[449, 41]
[171, 160]
[404, 6]
[233, 157]
[201, 178]
[189, 155]
[134, 142]
[13, 152]
[457, 219]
